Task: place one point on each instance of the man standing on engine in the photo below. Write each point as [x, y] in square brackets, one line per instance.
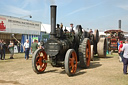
[72, 28]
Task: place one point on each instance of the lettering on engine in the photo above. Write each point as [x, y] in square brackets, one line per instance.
[53, 43]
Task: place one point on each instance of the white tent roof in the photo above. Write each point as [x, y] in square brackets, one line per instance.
[46, 28]
[102, 33]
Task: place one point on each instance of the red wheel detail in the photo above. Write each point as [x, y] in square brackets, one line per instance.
[40, 61]
[73, 62]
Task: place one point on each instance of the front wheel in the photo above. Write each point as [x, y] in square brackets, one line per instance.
[70, 62]
[39, 61]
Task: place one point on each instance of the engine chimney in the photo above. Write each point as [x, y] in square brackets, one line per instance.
[119, 24]
[53, 21]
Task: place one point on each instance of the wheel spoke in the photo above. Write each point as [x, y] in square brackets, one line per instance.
[40, 62]
[37, 63]
[73, 56]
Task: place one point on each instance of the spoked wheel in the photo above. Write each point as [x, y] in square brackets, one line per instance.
[70, 62]
[85, 53]
[102, 47]
[39, 61]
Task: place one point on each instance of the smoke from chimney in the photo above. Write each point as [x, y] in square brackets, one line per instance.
[52, 2]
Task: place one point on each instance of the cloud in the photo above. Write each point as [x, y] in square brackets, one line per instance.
[83, 8]
[16, 10]
[61, 3]
[25, 3]
[52, 1]
[125, 7]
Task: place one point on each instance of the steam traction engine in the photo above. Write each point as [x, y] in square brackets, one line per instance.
[98, 44]
[114, 36]
[64, 48]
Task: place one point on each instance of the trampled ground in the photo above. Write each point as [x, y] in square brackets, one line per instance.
[102, 71]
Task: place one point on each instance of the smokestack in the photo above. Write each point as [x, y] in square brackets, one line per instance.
[53, 21]
[119, 24]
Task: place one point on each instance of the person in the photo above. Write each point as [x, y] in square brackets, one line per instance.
[91, 31]
[72, 28]
[120, 52]
[4, 48]
[61, 25]
[118, 43]
[126, 41]
[26, 49]
[0, 50]
[11, 49]
[18, 46]
[34, 46]
[125, 57]
[58, 26]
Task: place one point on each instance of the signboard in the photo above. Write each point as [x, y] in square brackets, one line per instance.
[10, 24]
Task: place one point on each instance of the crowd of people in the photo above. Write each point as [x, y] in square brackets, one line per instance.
[26, 47]
[3, 47]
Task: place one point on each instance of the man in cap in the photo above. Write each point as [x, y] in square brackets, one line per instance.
[72, 28]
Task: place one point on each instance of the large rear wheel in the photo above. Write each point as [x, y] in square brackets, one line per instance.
[39, 59]
[70, 62]
[85, 53]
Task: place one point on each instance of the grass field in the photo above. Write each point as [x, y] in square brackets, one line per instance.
[102, 71]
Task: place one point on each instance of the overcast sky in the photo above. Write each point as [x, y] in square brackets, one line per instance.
[93, 14]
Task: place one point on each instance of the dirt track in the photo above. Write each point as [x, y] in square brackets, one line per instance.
[102, 71]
